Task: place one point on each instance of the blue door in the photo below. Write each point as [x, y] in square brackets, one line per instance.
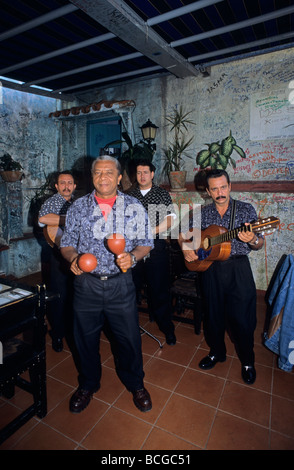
[100, 133]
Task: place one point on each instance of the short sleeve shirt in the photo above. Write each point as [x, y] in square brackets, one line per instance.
[157, 203]
[86, 229]
[56, 204]
[244, 213]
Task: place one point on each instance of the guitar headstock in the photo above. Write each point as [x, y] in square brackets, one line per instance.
[268, 224]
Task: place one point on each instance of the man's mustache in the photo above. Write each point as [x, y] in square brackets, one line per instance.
[220, 197]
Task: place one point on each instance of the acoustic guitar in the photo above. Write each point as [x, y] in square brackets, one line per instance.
[216, 242]
[53, 234]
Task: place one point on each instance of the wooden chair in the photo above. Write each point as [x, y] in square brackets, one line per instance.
[186, 293]
[22, 335]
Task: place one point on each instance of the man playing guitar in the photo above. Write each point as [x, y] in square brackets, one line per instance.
[52, 217]
[228, 286]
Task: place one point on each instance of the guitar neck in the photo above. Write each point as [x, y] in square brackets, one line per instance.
[266, 225]
[229, 235]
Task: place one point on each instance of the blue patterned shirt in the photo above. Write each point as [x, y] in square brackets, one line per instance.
[245, 212]
[86, 228]
[55, 204]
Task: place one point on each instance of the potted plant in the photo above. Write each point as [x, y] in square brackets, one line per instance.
[129, 156]
[10, 170]
[177, 148]
[216, 156]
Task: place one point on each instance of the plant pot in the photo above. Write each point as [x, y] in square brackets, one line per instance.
[11, 176]
[177, 180]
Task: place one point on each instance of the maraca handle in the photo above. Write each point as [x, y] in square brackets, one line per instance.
[123, 270]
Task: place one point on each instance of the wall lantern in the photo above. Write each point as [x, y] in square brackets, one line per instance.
[149, 131]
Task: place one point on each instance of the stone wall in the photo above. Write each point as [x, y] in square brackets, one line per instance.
[32, 139]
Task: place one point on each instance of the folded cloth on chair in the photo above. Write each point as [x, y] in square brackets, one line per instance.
[280, 335]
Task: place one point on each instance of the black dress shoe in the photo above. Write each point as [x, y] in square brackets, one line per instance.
[208, 362]
[80, 400]
[142, 400]
[248, 374]
[57, 344]
[171, 339]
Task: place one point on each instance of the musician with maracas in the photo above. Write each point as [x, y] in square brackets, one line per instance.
[107, 292]
[228, 286]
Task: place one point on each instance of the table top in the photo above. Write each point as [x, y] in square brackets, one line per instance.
[11, 292]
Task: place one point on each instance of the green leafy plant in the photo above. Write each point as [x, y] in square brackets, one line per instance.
[177, 148]
[8, 164]
[135, 151]
[218, 155]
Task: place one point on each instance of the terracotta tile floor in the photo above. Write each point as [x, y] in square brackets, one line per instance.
[192, 409]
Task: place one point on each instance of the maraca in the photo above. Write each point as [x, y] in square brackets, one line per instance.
[116, 243]
[87, 262]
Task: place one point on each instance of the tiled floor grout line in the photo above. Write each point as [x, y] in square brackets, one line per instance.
[218, 403]
[22, 436]
[271, 405]
[59, 432]
[90, 430]
[155, 426]
[130, 414]
[172, 393]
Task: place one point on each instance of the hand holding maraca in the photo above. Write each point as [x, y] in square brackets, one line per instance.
[116, 244]
[84, 263]
[124, 261]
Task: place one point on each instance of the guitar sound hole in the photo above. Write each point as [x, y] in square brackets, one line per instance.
[202, 254]
[206, 243]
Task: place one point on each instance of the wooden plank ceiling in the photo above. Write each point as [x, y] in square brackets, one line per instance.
[63, 48]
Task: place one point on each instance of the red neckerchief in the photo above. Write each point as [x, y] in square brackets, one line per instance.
[105, 205]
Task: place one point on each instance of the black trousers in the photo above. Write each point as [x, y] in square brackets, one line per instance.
[154, 271]
[60, 282]
[230, 300]
[111, 302]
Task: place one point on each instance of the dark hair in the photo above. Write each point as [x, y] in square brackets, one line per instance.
[216, 174]
[64, 172]
[145, 162]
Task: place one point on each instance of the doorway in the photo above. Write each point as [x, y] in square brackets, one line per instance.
[100, 133]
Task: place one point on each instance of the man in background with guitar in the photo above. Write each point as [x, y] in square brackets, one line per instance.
[52, 215]
[228, 286]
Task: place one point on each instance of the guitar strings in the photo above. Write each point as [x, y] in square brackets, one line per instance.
[227, 236]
